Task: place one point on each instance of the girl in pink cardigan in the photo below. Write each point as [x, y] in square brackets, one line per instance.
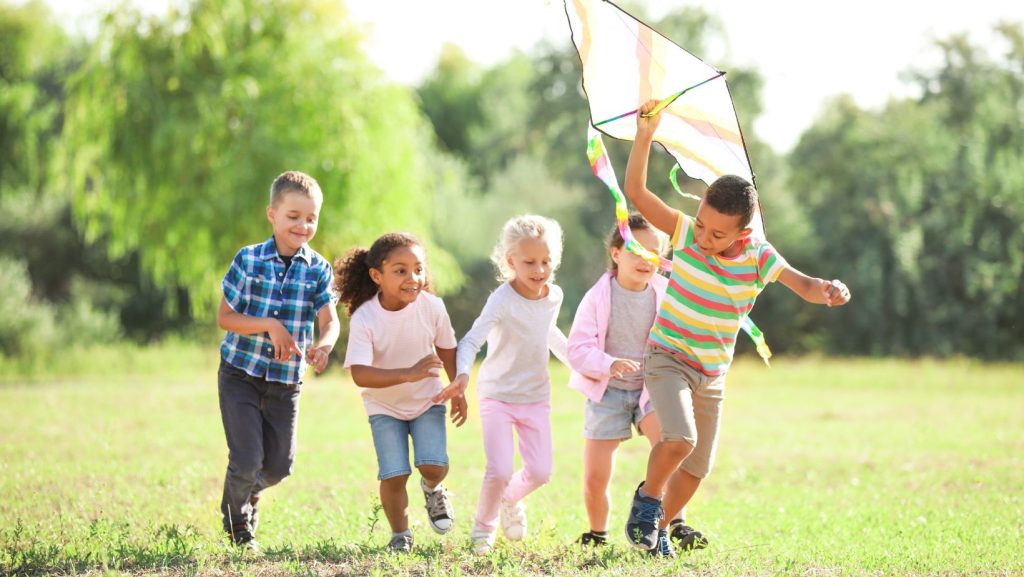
[606, 346]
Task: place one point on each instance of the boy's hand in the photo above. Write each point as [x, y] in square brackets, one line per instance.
[646, 125]
[835, 293]
[624, 366]
[284, 344]
[317, 357]
[460, 410]
[457, 388]
[428, 366]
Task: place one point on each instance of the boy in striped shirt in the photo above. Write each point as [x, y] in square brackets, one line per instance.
[718, 270]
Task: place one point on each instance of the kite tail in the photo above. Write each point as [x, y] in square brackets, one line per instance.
[602, 167]
[757, 336]
[673, 176]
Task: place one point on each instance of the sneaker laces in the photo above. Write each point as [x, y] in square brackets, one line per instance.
[438, 504]
[649, 510]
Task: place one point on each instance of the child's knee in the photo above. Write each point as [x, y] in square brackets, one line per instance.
[433, 472]
[678, 448]
[539, 475]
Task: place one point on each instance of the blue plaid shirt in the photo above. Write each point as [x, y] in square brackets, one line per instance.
[256, 285]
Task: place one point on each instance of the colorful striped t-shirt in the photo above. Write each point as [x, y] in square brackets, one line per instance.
[707, 296]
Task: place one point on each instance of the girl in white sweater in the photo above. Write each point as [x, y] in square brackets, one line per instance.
[518, 325]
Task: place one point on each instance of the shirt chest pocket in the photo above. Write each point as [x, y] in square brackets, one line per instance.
[263, 293]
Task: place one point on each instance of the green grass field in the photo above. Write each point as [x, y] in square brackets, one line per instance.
[826, 467]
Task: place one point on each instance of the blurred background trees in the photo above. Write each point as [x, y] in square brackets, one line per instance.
[133, 164]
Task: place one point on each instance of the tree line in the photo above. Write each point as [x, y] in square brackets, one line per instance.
[135, 162]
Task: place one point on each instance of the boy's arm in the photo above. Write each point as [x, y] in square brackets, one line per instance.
[661, 215]
[815, 290]
[236, 322]
[330, 329]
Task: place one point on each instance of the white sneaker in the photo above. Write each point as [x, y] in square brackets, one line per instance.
[483, 541]
[513, 520]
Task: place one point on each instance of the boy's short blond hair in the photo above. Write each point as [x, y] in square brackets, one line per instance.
[294, 181]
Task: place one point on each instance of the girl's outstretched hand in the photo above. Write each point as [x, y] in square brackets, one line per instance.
[460, 410]
[456, 389]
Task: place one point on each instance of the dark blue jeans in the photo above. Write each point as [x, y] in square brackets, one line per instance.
[260, 419]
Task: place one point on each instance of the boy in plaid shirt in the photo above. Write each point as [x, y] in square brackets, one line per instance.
[272, 293]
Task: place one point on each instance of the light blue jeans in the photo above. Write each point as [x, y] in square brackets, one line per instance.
[391, 441]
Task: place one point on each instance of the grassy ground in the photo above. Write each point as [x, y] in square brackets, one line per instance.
[850, 467]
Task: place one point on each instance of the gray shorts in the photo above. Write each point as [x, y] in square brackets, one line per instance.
[615, 416]
[688, 404]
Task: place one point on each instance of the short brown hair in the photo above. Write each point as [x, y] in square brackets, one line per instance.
[297, 182]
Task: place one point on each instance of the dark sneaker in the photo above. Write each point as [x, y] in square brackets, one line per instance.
[644, 516]
[591, 539]
[439, 508]
[242, 536]
[400, 544]
[686, 537]
[664, 547]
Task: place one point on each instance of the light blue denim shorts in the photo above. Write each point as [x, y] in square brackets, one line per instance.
[615, 416]
[391, 441]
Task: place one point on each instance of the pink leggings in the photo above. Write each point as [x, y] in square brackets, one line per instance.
[532, 423]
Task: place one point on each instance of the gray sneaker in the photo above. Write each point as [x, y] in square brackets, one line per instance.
[439, 508]
[400, 544]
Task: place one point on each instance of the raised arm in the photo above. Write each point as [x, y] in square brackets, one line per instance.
[832, 293]
[653, 208]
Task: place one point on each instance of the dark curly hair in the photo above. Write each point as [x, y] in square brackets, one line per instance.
[352, 279]
[733, 195]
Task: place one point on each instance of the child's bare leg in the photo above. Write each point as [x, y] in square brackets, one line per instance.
[598, 463]
[662, 464]
[681, 487]
[395, 501]
[652, 432]
[433, 474]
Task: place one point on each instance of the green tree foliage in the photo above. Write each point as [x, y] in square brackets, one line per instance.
[177, 125]
[920, 207]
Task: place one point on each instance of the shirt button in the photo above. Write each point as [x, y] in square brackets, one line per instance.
[280, 274]
[275, 313]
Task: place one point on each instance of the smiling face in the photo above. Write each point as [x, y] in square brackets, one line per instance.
[294, 219]
[633, 271]
[530, 259]
[401, 276]
[717, 233]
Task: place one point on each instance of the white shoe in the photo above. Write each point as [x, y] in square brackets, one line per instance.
[513, 520]
[483, 541]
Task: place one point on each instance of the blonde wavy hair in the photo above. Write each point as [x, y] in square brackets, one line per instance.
[522, 227]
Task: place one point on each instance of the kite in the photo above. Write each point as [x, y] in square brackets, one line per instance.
[626, 62]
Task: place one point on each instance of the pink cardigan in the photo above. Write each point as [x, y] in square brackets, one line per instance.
[591, 366]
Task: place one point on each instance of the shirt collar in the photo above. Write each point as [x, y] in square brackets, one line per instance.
[268, 251]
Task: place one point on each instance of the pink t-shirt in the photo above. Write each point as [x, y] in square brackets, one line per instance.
[398, 339]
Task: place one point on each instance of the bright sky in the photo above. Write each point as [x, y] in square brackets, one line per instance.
[808, 51]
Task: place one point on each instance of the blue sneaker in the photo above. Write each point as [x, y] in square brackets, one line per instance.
[664, 546]
[644, 516]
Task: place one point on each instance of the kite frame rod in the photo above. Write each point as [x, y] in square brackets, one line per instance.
[664, 103]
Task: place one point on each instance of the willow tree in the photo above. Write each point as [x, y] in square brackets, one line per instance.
[176, 126]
